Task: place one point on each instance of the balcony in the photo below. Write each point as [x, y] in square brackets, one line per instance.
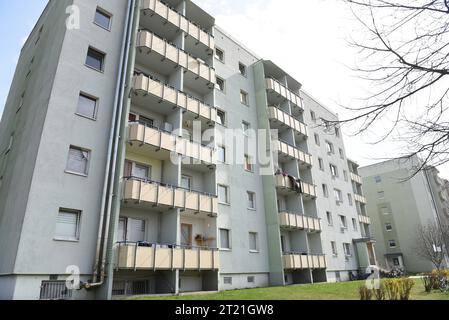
[360, 198]
[284, 183]
[151, 141]
[287, 151]
[280, 90]
[156, 13]
[297, 221]
[293, 261]
[356, 178]
[364, 219]
[155, 257]
[152, 92]
[154, 52]
[280, 119]
[161, 195]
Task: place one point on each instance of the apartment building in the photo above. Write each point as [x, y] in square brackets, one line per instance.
[400, 202]
[117, 166]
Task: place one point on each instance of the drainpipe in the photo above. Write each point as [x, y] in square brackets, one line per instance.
[117, 114]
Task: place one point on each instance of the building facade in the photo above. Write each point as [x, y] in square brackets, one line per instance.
[131, 157]
[399, 203]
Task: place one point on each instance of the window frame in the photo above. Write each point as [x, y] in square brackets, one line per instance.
[248, 166]
[330, 219]
[228, 233]
[217, 86]
[220, 147]
[228, 197]
[104, 13]
[256, 242]
[334, 248]
[223, 58]
[224, 121]
[245, 69]
[103, 61]
[244, 98]
[89, 97]
[253, 194]
[78, 213]
[89, 157]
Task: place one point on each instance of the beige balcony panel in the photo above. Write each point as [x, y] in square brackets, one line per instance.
[191, 259]
[180, 197]
[206, 203]
[160, 9]
[173, 17]
[194, 31]
[178, 258]
[172, 53]
[163, 258]
[301, 222]
[323, 263]
[356, 178]
[165, 196]
[304, 261]
[316, 261]
[284, 219]
[193, 105]
[184, 24]
[170, 95]
[168, 141]
[192, 201]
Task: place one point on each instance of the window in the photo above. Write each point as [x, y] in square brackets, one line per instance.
[102, 19]
[350, 199]
[251, 200]
[141, 171]
[321, 164]
[330, 220]
[329, 147]
[345, 175]
[392, 243]
[378, 179]
[221, 117]
[225, 242]
[186, 182]
[313, 115]
[253, 247]
[242, 69]
[220, 84]
[354, 224]
[343, 222]
[223, 194]
[245, 127]
[68, 225]
[222, 154]
[334, 248]
[347, 249]
[388, 227]
[317, 139]
[342, 154]
[95, 59]
[251, 279]
[146, 121]
[227, 280]
[78, 161]
[338, 195]
[87, 106]
[381, 195]
[396, 262]
[248, 163]
[135, 230]
[334, 170]
[244, 97]
[325, 190]
[219, 55]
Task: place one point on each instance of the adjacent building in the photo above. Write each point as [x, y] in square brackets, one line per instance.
[113, 166]
[399, 203]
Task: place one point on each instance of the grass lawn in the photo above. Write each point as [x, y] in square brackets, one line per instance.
[325, 291]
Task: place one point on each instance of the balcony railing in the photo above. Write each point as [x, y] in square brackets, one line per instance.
[293, 152]
[294, 261]
[151, 192]
[297, 221]
[356, 178]
[280, 89]
[360, 198]
[148, 85]
[180, 22]
[284, 182]
[364, 219]
[152, 43]
[135, 256]
[162, 140]
[288, 120]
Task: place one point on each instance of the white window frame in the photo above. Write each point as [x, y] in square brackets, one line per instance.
[88, 158]
[105, 13]
[253, 194]
[334, 248]
[224, 154]
[244, 97]
[223, 55]
[256, 241]
[77, 226]
[228, 232]
[89, 97]
[228, 198]
[330, 218]
[217, 86]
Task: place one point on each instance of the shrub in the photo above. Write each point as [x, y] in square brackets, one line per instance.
[379, 294]
[405, 288]
[428, 282]
[365, 293]
[392, 289]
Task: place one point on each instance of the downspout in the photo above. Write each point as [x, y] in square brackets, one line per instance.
[117, 113]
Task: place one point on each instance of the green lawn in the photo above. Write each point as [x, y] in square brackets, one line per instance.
[325, 291]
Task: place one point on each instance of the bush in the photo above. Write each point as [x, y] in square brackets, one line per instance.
[392, 288]
[399, 289]
[405, 288]
[365, 293]
[428, 280]
[379, 294]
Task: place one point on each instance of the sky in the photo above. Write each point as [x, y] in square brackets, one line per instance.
[308, 39]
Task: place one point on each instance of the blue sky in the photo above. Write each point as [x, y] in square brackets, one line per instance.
[14, 30]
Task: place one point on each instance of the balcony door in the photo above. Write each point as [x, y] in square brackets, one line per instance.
[186, 235]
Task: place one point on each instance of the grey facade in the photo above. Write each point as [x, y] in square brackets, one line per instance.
[157, 209]
[398, 205]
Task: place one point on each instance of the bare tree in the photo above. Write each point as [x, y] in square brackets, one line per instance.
[431, 243]
[403, 53]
